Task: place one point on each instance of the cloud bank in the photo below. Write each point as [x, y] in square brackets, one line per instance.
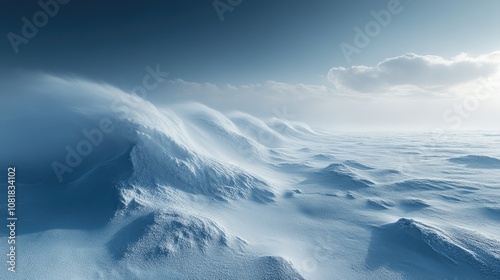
[411, 73]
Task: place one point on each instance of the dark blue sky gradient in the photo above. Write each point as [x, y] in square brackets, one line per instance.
[290, 41]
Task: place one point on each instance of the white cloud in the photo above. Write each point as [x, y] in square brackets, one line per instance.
[412, 73]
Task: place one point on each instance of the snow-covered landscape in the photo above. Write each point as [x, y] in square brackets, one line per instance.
[187, 192]
[250, 140]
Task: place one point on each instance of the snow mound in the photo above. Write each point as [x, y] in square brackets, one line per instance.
[436, 239]
[379, 204]
[222, 134]
[427, 248]
[492, 212]
[290, 128]
[162, 234]
[323, 157]
[463, 249]
[257, 130]
[155, 163]
[477, 161]
[356, 165]
[166, 154]
[411, 204]
[341, 176]
[272, 267]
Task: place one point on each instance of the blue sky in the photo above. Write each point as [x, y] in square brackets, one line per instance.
[290, 42]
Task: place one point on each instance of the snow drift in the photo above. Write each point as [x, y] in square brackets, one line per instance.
[143, 191]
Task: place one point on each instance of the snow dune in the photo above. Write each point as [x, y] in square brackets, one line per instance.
[476, 161]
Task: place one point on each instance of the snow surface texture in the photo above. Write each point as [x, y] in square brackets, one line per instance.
[187, 192]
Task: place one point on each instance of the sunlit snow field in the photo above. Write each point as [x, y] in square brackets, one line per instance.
[183, 191]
